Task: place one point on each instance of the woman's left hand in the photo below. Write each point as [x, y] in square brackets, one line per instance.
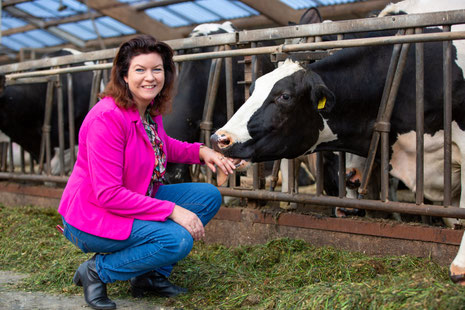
[212, 158]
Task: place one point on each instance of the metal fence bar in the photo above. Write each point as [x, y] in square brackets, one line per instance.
[72, 126]
[319, 173]
[46, 128]
[33, 177]
[447, 120]
[392, 206]
[246, 36]
[388, 40]
[420, 120]
[342, 174]
[61, 126]
[376, 135]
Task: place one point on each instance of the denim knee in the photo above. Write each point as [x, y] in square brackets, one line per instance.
[216, 197]
[180, 246]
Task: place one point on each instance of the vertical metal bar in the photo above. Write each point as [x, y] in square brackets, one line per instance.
[258, 171]
[212, 98]
[342, 174]
[274, 174]
[319, 174]
[375, 137]
[61, 126]
[214, 79]
[228, 70]
[386, 119]
[384, 165]
[420, 119]
[4, 154]
[12, 164]
[291, 176]
[22, 160]
[447, 46]
[72, 129]
[96, 80]
[31, 165]
[228, 65]
[45, 144]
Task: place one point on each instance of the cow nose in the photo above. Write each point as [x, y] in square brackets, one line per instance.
[220, 141]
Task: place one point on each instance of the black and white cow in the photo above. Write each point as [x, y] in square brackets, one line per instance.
[332, 105]
[183, 123]
[23, 108]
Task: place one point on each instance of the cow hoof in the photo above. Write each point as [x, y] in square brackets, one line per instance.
[457, 274]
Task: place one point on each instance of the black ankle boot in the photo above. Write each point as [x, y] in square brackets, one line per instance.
[95, 291]
[156, 283]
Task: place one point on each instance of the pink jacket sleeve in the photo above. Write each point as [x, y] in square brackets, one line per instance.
[106, 143]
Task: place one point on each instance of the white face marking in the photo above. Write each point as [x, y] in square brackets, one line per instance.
[325, 135]
[236, 127]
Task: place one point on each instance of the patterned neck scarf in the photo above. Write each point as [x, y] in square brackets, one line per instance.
[157, 144]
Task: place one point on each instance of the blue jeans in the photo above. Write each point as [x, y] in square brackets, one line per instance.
[151, 245]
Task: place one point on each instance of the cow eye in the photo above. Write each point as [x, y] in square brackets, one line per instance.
[285, 97]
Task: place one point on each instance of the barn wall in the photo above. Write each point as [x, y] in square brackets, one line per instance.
[234, 226]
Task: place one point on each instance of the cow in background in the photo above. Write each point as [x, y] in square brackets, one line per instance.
[296, 109]
[183, 123]
[23, 109]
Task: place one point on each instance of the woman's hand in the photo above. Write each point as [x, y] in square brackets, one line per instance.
[189, 220]
[212, 158]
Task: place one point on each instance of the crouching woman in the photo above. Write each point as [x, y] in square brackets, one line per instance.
[115, 203]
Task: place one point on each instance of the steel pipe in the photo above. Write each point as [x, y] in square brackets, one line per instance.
[424, 37]
[420, 119]
[401, 207]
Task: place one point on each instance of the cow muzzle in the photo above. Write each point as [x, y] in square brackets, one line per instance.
[221, 141]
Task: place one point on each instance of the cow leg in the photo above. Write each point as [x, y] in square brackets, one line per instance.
[457, 268]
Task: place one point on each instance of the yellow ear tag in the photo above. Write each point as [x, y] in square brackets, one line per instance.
[322, 103]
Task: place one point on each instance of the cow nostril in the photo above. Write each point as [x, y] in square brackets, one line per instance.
[224, 141]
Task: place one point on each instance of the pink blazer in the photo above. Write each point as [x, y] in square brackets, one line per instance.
[106, 190]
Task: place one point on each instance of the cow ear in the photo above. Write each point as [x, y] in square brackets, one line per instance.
[311, 16]
[323, 98]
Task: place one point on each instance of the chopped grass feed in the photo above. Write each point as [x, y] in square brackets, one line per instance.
[282, 274]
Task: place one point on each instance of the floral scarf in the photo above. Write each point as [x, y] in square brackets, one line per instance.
[160, 158]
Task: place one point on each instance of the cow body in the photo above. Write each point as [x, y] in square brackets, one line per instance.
[332, 105]
[183, 123]
[23, 109]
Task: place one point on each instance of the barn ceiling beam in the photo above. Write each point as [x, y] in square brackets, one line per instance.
[7, 3]
[334, 12]
[149, 5]
[275, 10]
[40, 24]
[139, 21]
[56, 22]
[352, 10]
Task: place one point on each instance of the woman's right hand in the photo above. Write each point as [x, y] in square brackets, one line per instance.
[189, 220]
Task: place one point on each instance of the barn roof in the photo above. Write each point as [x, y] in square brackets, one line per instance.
[30, 26]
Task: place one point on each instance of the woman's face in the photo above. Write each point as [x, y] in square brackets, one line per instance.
[145, 78]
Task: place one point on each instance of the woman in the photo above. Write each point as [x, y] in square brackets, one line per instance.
[114, 201]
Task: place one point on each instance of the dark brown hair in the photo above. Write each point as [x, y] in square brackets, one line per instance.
[117, 87]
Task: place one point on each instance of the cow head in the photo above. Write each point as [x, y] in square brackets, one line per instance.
[283, 118]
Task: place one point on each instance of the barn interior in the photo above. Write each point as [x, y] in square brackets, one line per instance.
[31, 28]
